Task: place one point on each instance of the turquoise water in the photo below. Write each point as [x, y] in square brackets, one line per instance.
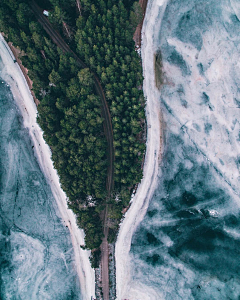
[36, 254]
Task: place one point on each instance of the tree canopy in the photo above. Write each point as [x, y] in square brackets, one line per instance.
[70, 109]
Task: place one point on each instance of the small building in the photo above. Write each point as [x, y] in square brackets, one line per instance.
[46, 13]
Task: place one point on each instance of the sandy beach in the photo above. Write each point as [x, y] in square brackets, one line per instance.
[14, 77]
[126, 288]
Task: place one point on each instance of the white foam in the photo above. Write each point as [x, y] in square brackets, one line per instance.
[13, 76]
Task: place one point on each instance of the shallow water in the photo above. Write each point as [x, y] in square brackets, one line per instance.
[187, 246]
[37, 258]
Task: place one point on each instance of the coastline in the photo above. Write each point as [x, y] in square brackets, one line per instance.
[139, 203]
[14, 76]
[137, 37]
[24, 71]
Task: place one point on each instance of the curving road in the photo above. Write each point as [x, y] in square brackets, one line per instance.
[107, 126]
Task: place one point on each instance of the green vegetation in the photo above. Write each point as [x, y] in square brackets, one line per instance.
[70, 109]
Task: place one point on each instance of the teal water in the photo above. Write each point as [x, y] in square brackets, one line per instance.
[36, 254]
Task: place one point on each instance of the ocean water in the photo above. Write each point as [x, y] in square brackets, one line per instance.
[36, 254]
[188, 244]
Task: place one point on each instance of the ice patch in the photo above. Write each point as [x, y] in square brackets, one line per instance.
[154, 150]
[12, 74]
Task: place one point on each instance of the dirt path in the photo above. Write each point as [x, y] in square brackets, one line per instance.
[107, 124]
[104, 260]
[57, 39]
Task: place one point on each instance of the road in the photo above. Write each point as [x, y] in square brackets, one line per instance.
[107, 126]
[104, 259]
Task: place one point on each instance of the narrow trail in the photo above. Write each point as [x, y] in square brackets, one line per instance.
[107, 124]
[108, 131]
[104, 259]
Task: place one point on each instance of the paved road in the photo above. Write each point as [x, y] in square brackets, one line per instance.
[107, 125]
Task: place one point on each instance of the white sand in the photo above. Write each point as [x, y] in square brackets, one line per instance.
[126, 287]
[13, 76]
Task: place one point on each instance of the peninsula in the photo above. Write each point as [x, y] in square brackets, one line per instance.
[87, 78]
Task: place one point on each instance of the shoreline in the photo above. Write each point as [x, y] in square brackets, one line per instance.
[139, 203]
[24, 71]
[137, 37]
[13, 75]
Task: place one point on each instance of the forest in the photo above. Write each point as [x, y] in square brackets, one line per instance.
[101, 34]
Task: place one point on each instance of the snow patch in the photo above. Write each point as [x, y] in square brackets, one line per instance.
[139, 204]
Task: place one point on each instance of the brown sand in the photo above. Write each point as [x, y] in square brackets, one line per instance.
[138, 32]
